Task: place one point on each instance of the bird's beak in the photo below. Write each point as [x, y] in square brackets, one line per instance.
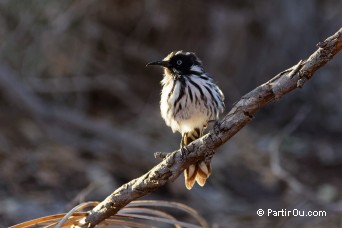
[159, 63]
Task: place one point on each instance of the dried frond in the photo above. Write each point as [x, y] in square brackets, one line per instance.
[136, 214]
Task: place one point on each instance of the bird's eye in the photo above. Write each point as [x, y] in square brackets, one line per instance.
[179, 62]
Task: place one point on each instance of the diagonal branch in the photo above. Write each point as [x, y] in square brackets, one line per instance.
[239, 116]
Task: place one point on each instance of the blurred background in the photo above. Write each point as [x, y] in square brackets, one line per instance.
[79, 112]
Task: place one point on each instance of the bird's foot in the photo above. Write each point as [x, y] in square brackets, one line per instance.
[216, 127]
[184, 152]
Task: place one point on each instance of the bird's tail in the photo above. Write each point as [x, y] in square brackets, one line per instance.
[200, 171]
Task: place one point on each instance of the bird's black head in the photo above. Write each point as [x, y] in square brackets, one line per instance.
[181, 63]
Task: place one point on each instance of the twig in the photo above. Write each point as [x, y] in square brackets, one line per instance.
[239, 116]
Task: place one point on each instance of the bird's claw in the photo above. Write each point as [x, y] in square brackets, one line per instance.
[184, 151]
[217, 127]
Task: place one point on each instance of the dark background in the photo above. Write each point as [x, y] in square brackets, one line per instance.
[79, 112]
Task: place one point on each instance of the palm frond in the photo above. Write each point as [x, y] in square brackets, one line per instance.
[137, 214]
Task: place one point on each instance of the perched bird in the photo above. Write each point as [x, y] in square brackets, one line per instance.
[189, 100]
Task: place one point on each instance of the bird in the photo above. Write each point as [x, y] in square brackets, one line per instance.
[189, 101]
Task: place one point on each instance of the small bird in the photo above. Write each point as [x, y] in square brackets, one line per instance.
[189, 100]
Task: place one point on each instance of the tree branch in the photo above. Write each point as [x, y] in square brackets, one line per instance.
[240, 115]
